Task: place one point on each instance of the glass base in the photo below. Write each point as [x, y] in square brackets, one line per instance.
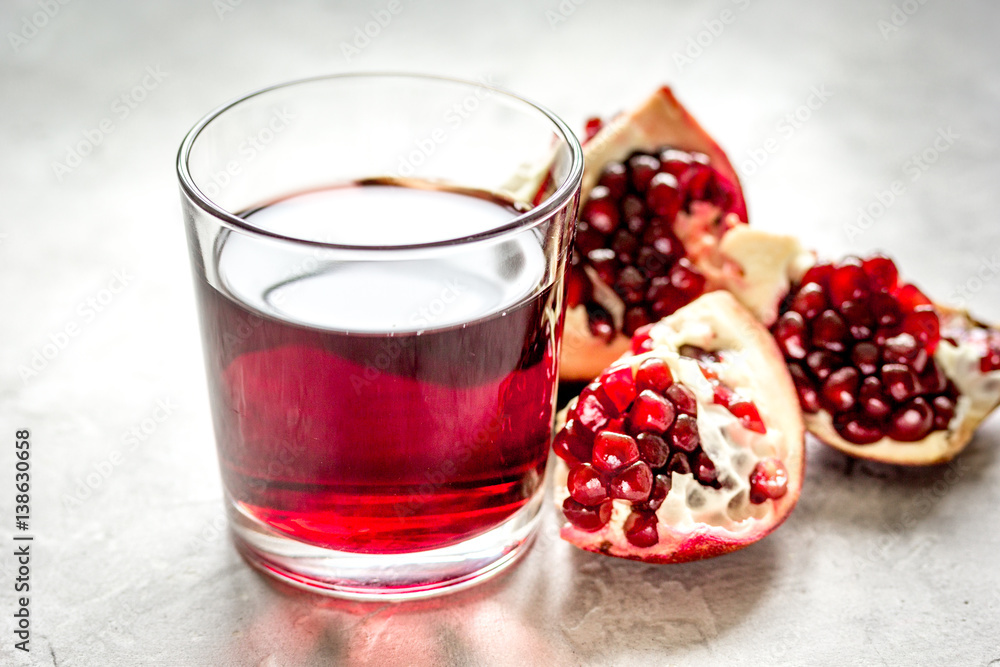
[402, 576]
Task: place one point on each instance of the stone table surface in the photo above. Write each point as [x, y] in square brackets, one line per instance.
[860, 125]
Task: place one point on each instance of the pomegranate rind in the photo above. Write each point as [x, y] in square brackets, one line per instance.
[659, 121]
[714, 321]
[979, 395]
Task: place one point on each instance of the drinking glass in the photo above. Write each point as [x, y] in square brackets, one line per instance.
[378, 264]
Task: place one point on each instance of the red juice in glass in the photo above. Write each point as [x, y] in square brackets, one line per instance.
[381, 407]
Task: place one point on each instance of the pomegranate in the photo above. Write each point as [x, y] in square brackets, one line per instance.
[881, 371]
[689, 447]
[658, 194]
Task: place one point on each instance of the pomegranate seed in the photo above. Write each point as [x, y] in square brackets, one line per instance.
[829, 331]
[663, 196]
[684, 435]
[700, 354]
[819, 274]
[640, 529]
[912, 422]
[641, 339]
[697, 181]
[625, 246]
[721, 394]
[683, 399]
[587, 238]
[636, 225]
[661, 487]
[990, 361]
[768, 481]
[641, 169]
[944, 410]
[662, 239]
[899, 381]
[687, 279]
[874, 402]
[614, 451]
[679, 464]
[589, 411]
[653, 449]
[924, 325]
[789, 333]
[822, 363]
[592, 127]
[585, 485]
[859, 319]
[705, 471]
[651, 413]
[636, 317]
[615, 179]
[808, 396]
[633, 484]
[605, 263]
[631, 285]
[809, 301]
[858, 431]
[848, 282]
[619, 387]
[748, 415]
[885, 309]
[654, 374]
[600, 211]
[577, 287]
[910, 298]
[600, 322]
[882, 273]
[865, 357]
[616, 426]
[652, 261]
[587, 518]
[674, 161]
[932, 380]
[669, 302]
[841, 388]
[573, 443]
[633, 206]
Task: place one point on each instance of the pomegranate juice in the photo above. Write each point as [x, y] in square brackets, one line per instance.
[380, 406]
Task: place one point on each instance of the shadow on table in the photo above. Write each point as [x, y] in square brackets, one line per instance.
[593, 606]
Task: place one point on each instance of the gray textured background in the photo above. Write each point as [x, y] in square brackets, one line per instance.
[131, 562]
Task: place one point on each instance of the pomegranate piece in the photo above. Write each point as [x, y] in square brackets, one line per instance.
[660, 459]
[864, 349]
[658, 194]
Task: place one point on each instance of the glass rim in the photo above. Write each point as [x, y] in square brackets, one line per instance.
[526, 220]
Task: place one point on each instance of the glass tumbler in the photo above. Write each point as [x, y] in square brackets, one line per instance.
[378, 264]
